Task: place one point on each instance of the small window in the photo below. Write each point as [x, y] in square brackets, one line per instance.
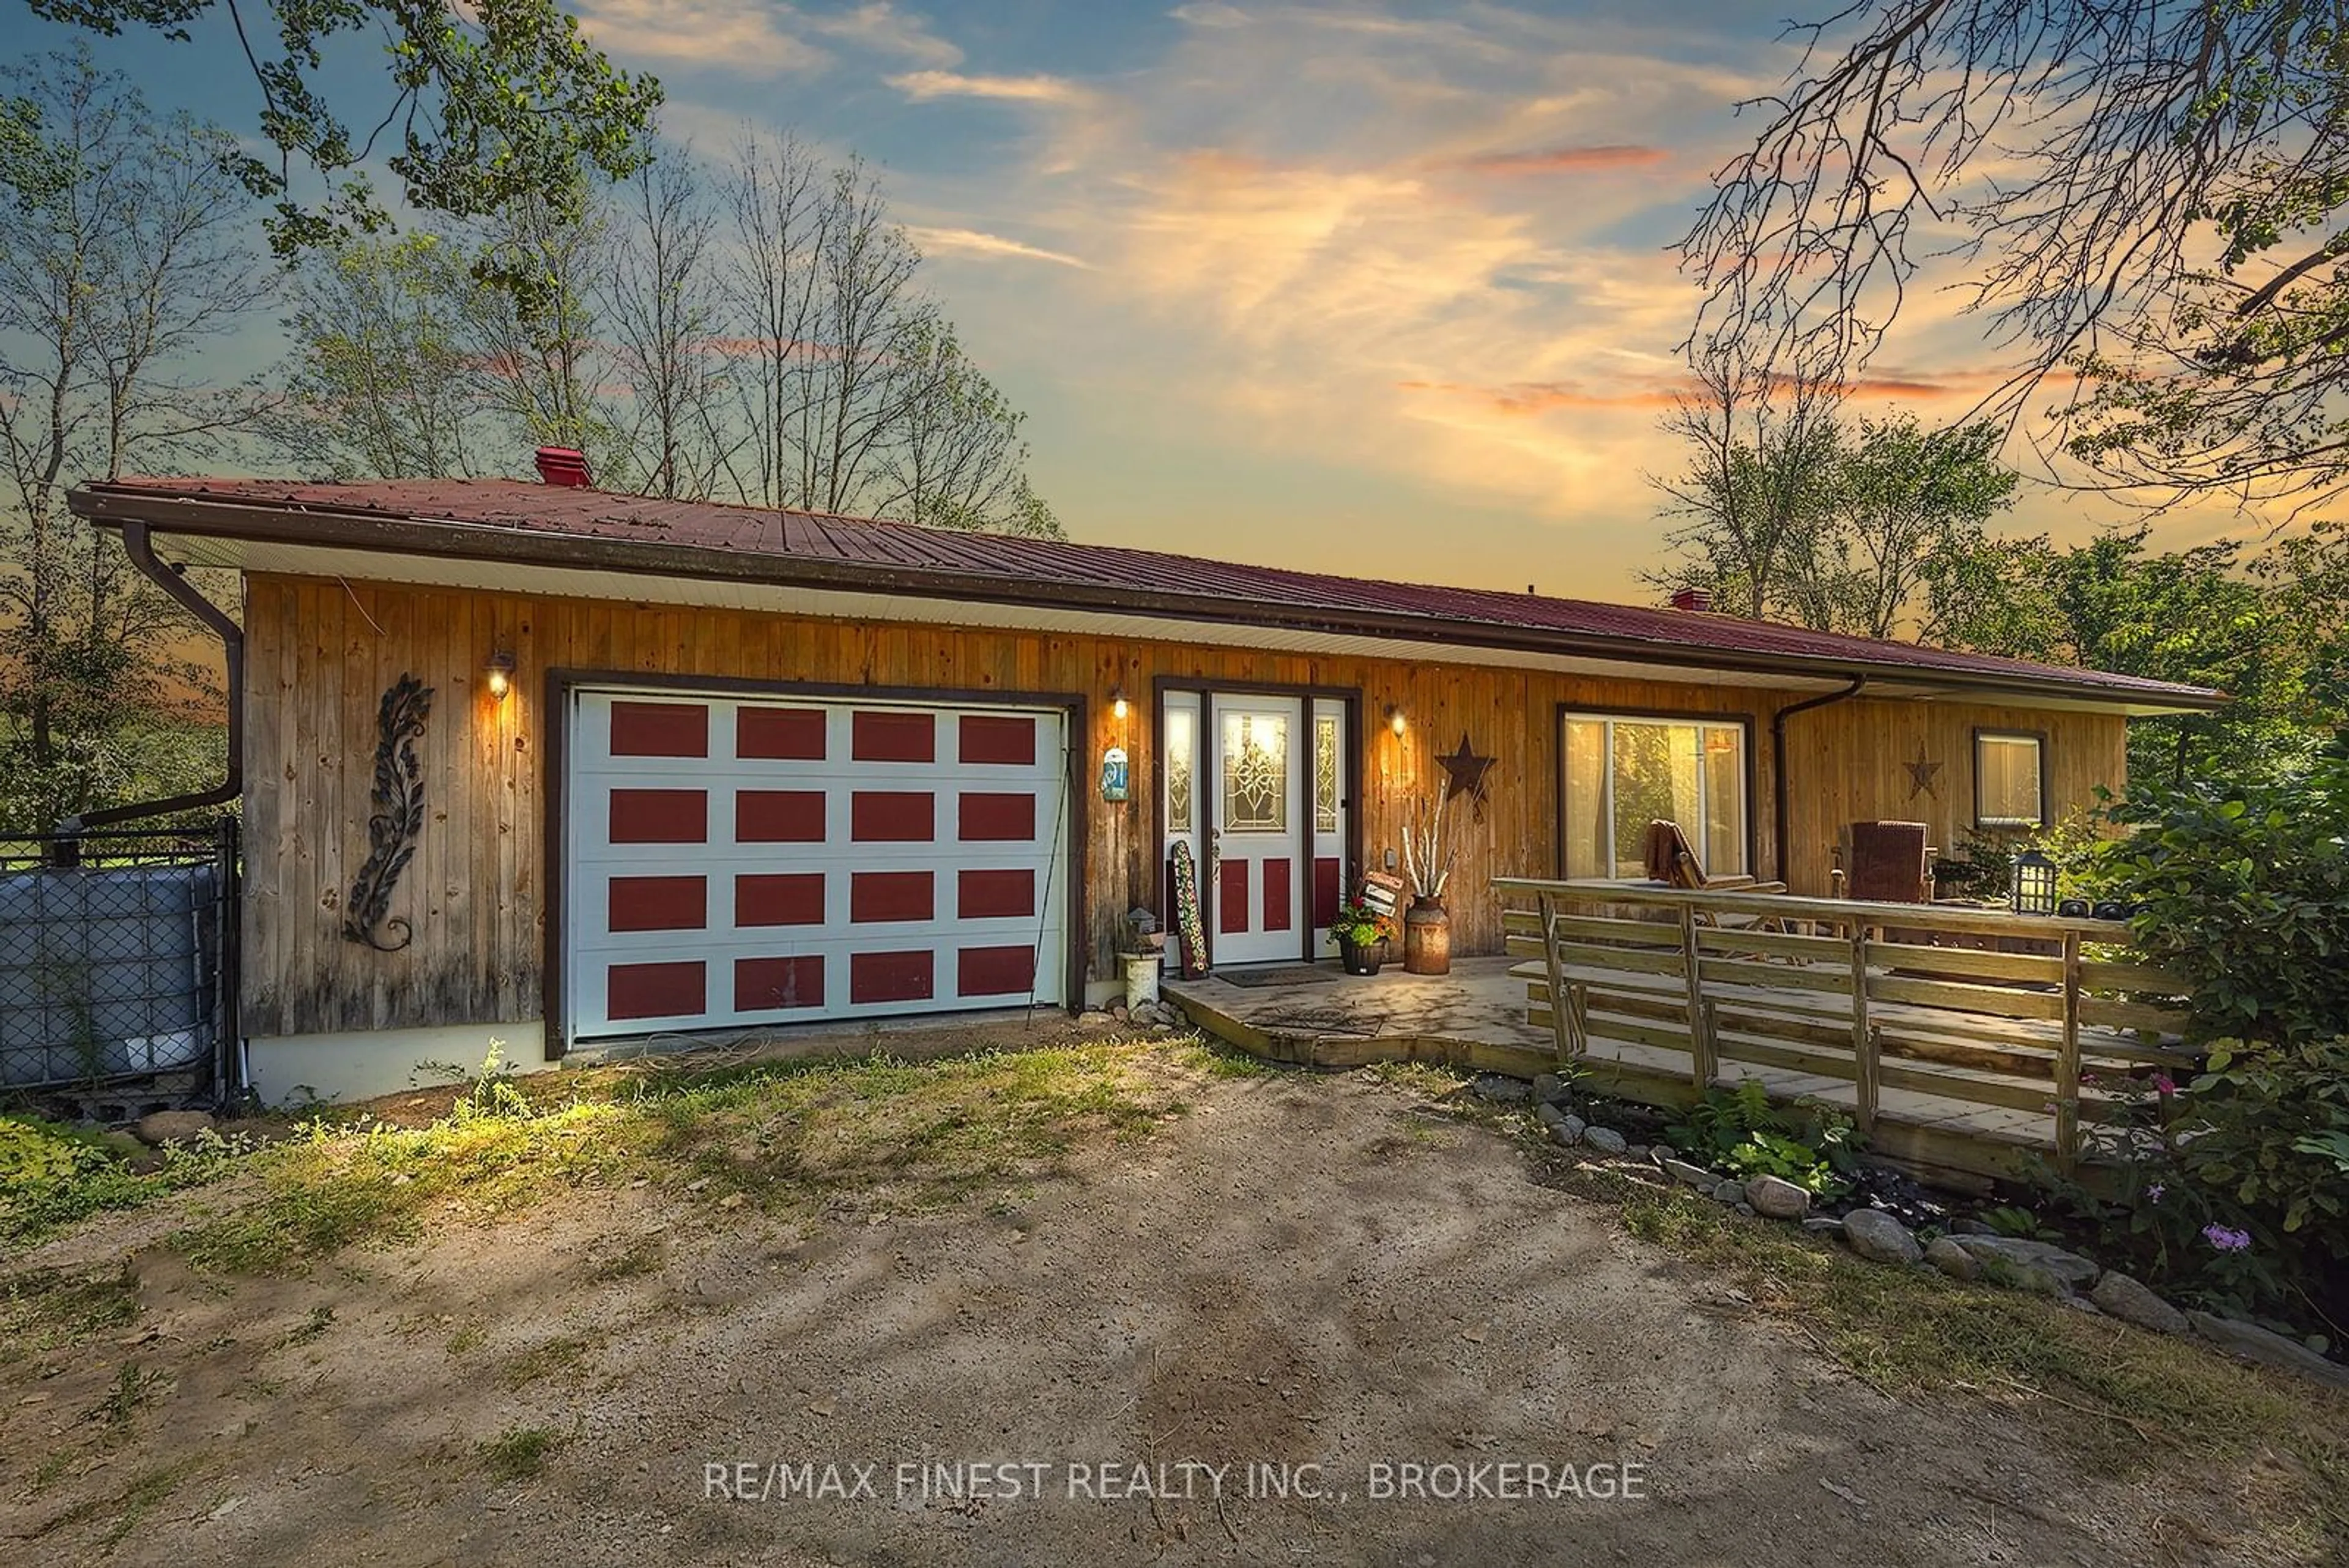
[1622, 773]
[2010, 779]
[1180, 756]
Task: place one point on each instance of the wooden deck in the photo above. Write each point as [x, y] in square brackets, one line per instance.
[1964, 1063]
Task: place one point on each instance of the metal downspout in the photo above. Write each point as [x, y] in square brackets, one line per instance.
[1778, 760]
[142, 552]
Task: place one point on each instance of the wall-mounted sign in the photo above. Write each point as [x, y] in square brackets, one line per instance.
[1113, 782]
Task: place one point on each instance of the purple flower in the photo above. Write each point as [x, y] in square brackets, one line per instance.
[2226, 1241]
[2164, 1085]
[2155, 1191]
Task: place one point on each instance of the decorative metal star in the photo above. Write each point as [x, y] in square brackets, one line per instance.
[1920, 775]
[1467, 770]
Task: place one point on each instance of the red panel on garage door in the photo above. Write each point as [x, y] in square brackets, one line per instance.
[654, 990]
[1231, 898]
[891, 896]
[657, 904]
[997, 818]
[660, 817]
[1279, 895]
[761, 984]
[660, 729]
[794, 735]
[894, 737]
[987, 738]
[787, 899]
[779, 816]
[1326, 889]
[893, 817]
[889, 977]
[995, 971]
[995, 895]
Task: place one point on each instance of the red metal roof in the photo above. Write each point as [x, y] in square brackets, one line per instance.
[693, 539]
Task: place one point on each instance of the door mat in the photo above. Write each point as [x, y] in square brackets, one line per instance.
[1277, 975]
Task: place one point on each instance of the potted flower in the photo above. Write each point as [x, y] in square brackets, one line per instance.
[1360, 932]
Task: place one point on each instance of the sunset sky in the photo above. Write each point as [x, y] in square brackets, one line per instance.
[1376, 288]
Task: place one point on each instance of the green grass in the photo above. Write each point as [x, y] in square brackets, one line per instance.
[1420, 1078]
[518, 1453]
[786, 1137]
[2131, 1401]
[52, 1178]
[543, 1361]
[44, 1310]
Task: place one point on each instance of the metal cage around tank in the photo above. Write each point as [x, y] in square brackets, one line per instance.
[119, 961]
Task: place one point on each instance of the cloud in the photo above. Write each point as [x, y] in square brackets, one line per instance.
[1530, 397]
[739, 35]
[924, 86]
[1562, 159]
[882, 30]
[972, 241]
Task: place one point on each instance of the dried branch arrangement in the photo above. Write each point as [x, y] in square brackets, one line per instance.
[1427, 844]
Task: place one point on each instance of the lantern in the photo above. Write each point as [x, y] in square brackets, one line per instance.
[2034, 884]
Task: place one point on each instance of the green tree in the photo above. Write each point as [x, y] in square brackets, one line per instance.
[1874, 529]
[386, 378]
[488, 102]
[1903, 503]
[2152, 197]
[1751, 495]
[122, 261]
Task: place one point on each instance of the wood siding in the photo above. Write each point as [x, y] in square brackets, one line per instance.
[319, 656]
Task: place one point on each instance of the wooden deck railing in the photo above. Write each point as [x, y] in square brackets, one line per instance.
[1973, 1005]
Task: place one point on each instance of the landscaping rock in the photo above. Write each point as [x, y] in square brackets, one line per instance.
[1550, 1089]
[157, 1128]
[1498, 1090]
[1778, 1198]
[1694, 1174]
[1728, 1192]
[1095, 1018]
[2130, 1302]
[1747, 1210]
[1880, 1237]
[2034, 1265]
[1606, 1140]
[1661, 1152]
[1944, 1253]
[1565, 1128]
[1636, 1151]
[1823, 1224]
[1970, 1228]
[2267, 1349]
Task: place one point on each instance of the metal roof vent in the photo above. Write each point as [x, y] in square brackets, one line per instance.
[565, 466]
[1696, 601]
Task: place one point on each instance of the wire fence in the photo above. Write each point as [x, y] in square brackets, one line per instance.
[118, 959]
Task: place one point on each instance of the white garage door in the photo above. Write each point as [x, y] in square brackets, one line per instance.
[738, 861]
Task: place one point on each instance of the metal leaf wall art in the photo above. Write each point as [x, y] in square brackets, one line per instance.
[398, 818]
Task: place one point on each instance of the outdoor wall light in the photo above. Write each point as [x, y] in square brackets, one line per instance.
[1117, 700]
[1395, 721]
[500, 675]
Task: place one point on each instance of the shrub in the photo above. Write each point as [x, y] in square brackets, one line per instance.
[2243, 891]
[2235, 1192]
[1810, 1143]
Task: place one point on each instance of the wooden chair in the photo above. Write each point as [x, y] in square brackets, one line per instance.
[1670, 861]
[1886, 862]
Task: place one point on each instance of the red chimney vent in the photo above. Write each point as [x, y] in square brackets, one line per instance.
[1697, 601]
[563, 466]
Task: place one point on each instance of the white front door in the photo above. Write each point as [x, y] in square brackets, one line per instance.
[1256, 773]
